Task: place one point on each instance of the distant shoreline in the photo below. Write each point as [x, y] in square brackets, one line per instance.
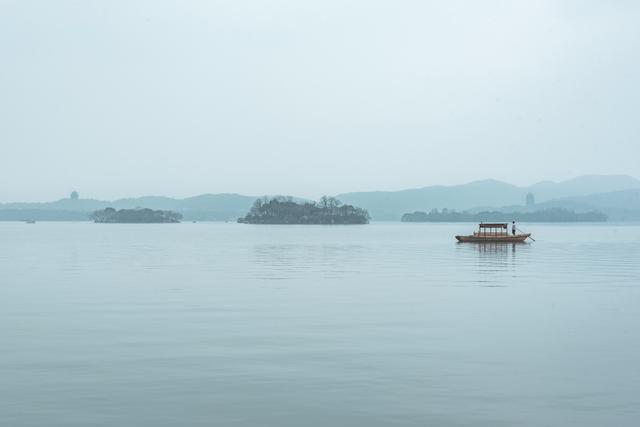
[135, 216]
[547, 215]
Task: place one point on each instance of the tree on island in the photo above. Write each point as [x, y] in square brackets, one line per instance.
[74, 195]
[283, 210]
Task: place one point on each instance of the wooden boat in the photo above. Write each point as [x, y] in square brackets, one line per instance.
[493, 233]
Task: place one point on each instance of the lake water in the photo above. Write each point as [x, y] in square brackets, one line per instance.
[389, 324]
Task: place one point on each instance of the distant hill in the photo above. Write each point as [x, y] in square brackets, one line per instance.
[583, 186]
[621, 205]
[390, 205]
[618, 205]
[214, 207]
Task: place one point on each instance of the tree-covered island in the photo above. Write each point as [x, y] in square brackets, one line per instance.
[283, 210]
[135, 216]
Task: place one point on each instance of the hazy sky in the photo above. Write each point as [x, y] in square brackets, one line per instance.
[124, 98]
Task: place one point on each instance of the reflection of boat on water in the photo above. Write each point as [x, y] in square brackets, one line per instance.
[493, 233]
[496, 248]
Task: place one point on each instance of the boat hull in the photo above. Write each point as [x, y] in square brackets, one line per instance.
[518, 238]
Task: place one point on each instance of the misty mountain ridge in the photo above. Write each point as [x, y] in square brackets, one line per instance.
[623, 205]
[387, 205]
[204, 207]
[608, 193]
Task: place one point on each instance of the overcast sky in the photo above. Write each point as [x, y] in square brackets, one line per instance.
[177, 98]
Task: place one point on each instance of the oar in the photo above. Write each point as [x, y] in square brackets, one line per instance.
[525, 233]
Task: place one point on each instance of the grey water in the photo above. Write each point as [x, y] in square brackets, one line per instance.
[388, 324]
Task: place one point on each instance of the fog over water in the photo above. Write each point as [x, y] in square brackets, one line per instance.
[119, 99]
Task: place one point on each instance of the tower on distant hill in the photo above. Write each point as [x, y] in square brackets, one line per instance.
[531, 199]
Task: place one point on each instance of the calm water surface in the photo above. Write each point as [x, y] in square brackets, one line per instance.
[215, 324]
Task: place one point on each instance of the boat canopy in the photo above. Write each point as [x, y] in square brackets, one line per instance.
[494, 225]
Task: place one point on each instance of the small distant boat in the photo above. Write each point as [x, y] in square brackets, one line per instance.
[30, 221]
[493, 233]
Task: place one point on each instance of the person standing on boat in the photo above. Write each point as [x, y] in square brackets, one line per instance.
[513, 228]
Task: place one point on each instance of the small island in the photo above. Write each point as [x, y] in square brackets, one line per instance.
[546, 215]
[283, 210]
[135, 216]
